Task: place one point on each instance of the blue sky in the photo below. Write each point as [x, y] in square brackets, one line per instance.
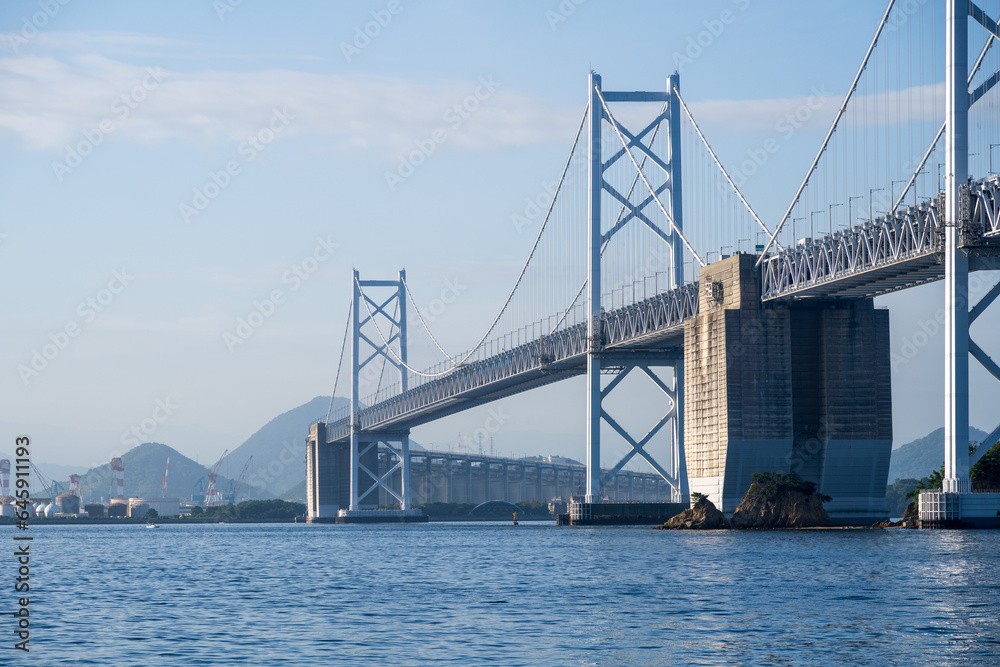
[278, 128]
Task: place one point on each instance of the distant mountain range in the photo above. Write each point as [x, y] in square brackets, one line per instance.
[917, 459]
[277, 470]
[144, 466]
[279, 448]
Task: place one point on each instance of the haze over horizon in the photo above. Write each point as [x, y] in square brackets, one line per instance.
[176, 171]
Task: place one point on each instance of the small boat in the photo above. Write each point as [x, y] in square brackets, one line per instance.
[151, 525]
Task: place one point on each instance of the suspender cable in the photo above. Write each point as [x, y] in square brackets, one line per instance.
[510, 296]
[340, 363]
[833, 127]
[719, 164]
[937, 138]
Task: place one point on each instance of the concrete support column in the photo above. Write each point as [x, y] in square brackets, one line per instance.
[429, 497]
[449, 479]
[469, 497]
[405, 470]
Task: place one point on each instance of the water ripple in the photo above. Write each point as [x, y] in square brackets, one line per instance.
[492, 594]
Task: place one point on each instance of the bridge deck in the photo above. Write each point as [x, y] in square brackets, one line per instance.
[888, 254]
[647, 331]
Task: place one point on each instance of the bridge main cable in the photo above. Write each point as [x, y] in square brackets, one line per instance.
[510, 296]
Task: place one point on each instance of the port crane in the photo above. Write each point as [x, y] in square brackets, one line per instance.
[212, 496]
[236, 486]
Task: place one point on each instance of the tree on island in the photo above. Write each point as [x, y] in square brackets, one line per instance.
[769, 484]
[986, 473]
[151, 514]
[932, 482]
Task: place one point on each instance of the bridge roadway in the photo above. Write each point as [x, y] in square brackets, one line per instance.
[891, 253]
[881, 256]
[648, 331]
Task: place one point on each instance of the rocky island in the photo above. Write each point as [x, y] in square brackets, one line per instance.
[774, 500]
[702, 515]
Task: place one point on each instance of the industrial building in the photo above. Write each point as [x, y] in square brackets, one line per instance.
[137, 507]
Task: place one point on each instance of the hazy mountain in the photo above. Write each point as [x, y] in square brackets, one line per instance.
[918, 458]
[279, 447]
[296, 494]
[144, 466]
[52, 471]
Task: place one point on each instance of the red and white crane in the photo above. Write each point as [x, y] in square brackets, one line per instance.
[212, 496]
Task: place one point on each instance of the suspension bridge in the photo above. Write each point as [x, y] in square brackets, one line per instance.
[770, 356]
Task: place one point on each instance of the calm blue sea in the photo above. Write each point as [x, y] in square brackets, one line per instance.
[536, 594]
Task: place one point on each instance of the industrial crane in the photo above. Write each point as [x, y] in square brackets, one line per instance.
[212, 496]
[236, 486]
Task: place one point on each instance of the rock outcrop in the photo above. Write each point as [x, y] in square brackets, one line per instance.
[703, 516]
[909, 520]
[779, 500]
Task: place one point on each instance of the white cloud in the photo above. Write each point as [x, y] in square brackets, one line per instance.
[49, 103]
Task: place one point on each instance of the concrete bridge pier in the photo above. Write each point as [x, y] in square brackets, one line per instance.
[799, 387]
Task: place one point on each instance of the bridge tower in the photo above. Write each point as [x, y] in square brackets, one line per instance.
[956, 269]
[365, 482]
[600, 360]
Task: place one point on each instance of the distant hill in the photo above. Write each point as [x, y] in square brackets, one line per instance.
[918, 458]
[279, 447]
[296, 494]
[144, 466]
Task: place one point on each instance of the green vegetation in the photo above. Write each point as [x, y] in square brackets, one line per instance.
[698, 498]
[930, 483]
[897, 495]
[916, 459]
[770, 484]
[253, 510]
[986, 473]
[151, 514]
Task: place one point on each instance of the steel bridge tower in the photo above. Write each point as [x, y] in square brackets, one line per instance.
[600, 120]
[955, 504]
[364, 445]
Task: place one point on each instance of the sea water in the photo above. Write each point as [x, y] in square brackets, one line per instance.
[534, 594]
